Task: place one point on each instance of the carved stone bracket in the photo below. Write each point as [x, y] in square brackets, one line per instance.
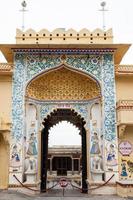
[5, 129]
[5, 135]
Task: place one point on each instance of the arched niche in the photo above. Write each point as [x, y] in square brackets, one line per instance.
[63, 83]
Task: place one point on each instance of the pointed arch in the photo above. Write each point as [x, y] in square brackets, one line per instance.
[63, 83]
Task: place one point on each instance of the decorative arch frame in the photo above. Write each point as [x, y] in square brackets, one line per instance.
[65, 66]
[69, 67]
[98, 64]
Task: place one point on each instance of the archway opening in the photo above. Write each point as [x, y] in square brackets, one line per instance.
[61, 133]
[64, 153]
[52, 119]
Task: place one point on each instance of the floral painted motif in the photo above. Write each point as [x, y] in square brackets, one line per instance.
[81, 109]
[89, 63]
[18, 96]
[108, 89]
[27, 66]
[38, 63]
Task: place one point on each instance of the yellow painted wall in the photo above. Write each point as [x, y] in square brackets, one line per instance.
[4, 163]
[127, 136]
[124, 86]
[5, 97]
[5, 118]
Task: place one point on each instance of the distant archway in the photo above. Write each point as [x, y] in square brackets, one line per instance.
[52, 119]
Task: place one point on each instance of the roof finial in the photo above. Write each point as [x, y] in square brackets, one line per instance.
[103, 4]
[23, 4]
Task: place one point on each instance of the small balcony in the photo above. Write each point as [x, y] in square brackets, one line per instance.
[124, 112]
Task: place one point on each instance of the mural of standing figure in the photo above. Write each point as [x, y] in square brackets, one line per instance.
[130, 167]
[32, 150]
[111, 156]
[95, 149]
[15, 158]
[124, 170]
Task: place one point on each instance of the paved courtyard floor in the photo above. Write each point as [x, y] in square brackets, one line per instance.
[18, 195]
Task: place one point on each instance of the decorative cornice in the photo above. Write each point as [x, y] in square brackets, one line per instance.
[6, 68]
[123, 69]
[67, 51]
[124, 105]
[119, 49]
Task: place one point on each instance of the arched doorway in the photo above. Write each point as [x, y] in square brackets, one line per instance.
[52, 119]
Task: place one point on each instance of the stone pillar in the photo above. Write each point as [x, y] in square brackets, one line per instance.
[84, 160]
[72, 166]
[50, 165]
[79, 165]
[88, 156]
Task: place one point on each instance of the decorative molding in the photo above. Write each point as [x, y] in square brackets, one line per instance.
[80, 108]
[123, 69]
[124, 105]
[6, 67]
[66, 51]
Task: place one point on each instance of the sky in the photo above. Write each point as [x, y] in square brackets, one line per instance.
[64, 133]
[67, 14]
[76, 14]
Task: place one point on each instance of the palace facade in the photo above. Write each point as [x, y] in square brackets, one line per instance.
[74, 76]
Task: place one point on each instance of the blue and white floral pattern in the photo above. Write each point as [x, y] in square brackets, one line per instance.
[89, 63]
[27, 66]
[18, 97]
[81, 109]
[38, 63]
[109, 98]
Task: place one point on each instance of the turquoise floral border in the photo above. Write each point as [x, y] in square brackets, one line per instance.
[27, 66]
